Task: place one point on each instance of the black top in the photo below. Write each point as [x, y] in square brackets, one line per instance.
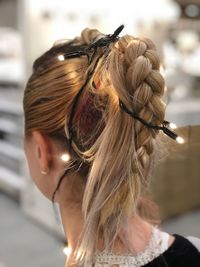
[181, 253]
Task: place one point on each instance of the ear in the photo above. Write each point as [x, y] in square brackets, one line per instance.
[42, 149]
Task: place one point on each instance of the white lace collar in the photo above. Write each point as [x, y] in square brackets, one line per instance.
[157, 245]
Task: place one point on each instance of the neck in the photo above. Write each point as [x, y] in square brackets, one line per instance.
[69, 197]
[72, 221]
[134, 235]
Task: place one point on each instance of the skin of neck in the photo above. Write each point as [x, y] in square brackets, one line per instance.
[134, 234]
[69, 197]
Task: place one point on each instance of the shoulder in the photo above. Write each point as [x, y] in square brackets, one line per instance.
[190, 243]
[195, 241]
[184, 251]
[187, 244]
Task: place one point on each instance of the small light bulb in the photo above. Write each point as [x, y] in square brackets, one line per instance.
[180, 140]
[61, 57]
[65, 157]
[172, 125]
[67, 251]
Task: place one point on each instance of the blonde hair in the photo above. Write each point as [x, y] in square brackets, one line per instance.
[120, 148]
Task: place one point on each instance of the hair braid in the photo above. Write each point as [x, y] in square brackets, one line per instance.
[142, 86]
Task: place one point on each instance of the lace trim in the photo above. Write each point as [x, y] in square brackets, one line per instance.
[157, 244]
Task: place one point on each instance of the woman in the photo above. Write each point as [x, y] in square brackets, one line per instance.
[93, 110]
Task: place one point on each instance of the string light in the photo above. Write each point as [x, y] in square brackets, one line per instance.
[65, 157]
[172, 125]
[61, 58]
[180, 140]
[67, 250]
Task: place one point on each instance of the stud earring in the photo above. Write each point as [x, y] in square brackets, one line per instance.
[44, 172]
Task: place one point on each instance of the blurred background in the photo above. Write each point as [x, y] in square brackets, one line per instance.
[30, 235]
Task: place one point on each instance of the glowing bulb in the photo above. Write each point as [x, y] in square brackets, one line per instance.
[67, 251]
[65, 157]
[180, 140]
[61, 57]
[172, 125]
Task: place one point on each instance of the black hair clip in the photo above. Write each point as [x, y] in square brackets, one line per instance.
[165, 124]
[104, 41]
[90, 50]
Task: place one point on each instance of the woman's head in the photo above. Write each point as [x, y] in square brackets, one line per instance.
[108, 148]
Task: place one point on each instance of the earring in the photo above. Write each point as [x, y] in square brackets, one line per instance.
[44, 172]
